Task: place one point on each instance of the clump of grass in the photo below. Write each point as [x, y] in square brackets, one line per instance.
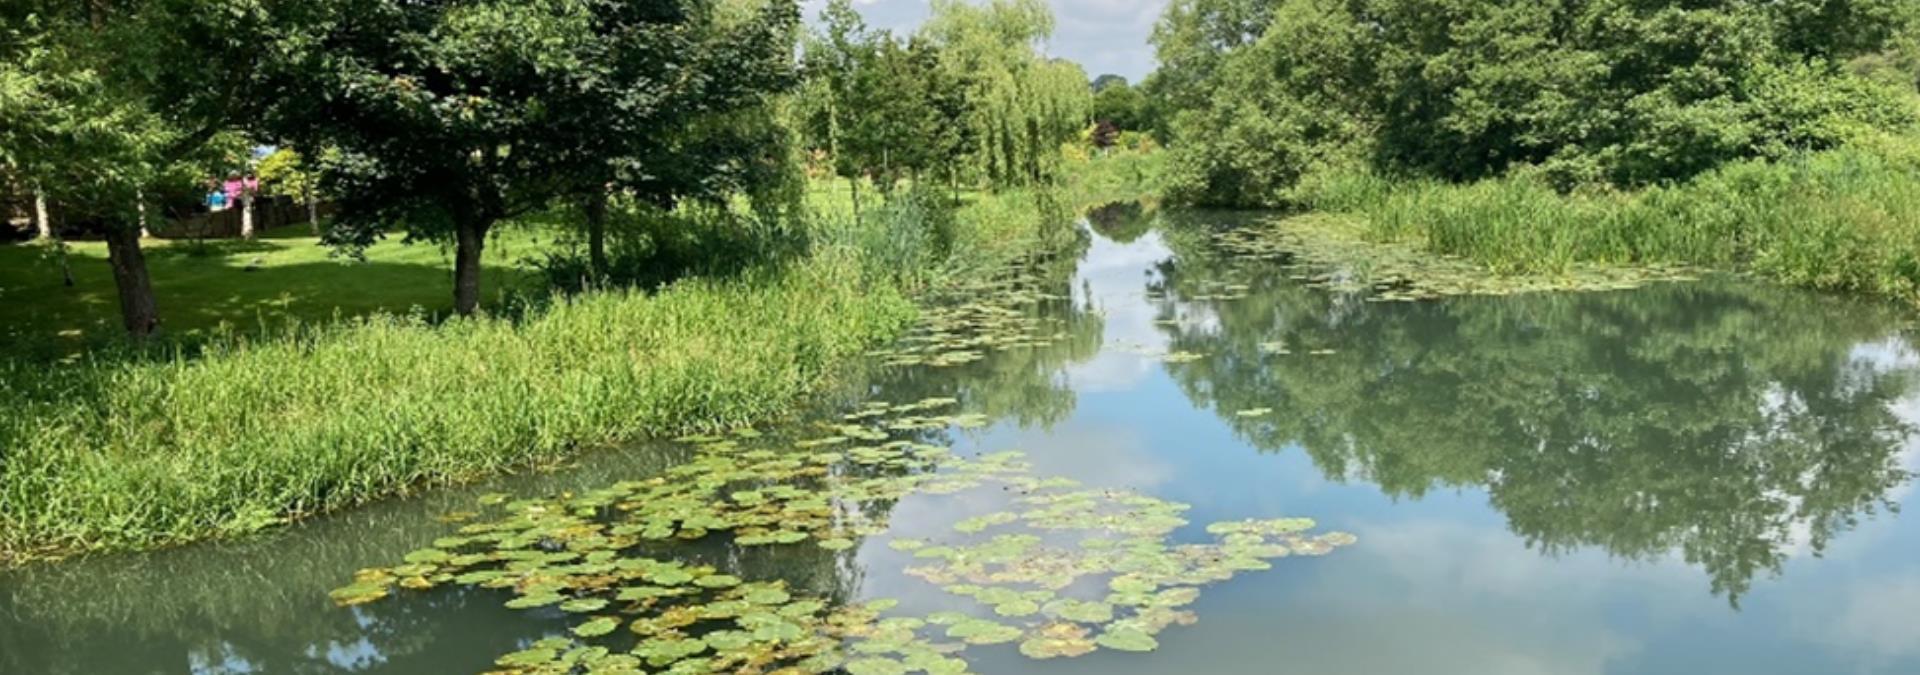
[126, 454]
[1843, 219]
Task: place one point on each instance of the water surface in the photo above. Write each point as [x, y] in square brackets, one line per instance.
[1684, 478]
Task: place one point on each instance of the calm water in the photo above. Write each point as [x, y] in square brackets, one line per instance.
[1687, 478]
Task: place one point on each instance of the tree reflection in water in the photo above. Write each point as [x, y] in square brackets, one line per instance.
[1725, 421]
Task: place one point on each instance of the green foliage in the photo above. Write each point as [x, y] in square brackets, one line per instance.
[649, 247]
[966, 98]
[1616, 91]
[1021, 107]
[1124, 107]
[450, 117]
[287, 173]
[96, 105]
[876, 107]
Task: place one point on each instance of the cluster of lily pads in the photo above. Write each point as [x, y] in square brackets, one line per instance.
[1064, 571]
[1324, 251]
[963, 333]
[608, 556]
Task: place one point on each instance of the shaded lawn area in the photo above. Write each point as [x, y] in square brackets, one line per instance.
[283, 275]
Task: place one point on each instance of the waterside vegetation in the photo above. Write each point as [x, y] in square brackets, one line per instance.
[709, 272]
[1772, 137]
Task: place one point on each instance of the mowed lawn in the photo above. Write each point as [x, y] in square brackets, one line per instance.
[285, 274]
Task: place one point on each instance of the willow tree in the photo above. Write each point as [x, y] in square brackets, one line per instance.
[1021, 105]
[450, 117]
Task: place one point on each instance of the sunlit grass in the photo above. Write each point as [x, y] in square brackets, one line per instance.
[285, 275]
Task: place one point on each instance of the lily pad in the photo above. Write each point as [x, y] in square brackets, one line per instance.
[1127, 640]
[597, 627]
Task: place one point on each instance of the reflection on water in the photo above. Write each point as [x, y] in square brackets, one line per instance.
[1723, 420]
[1563, 483]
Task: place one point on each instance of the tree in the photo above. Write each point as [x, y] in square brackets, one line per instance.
[708, 138]
[1122, 106]
[451, 117]
[103, 103]
[1021, 106]
[286, 173]
[1106, 80]
[832, 59]
[1626, 92]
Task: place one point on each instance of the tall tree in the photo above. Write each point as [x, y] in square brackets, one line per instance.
[102, 103]
[287, 173]
[1021, 105]
[450, 117]
[707, 136]
[832, 58]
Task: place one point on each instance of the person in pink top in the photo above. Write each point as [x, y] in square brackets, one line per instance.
[237, 187]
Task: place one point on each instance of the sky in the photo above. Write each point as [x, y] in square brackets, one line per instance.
[1103, 36]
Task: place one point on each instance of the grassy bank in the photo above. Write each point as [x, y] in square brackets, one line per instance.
[118, 453]
[1845, 219]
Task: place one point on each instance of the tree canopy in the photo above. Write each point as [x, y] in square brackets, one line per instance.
[450, 117]
[106, 105]
[1623, 92]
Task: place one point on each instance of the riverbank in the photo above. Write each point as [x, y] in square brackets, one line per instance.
[1846, 219]
[111, 454]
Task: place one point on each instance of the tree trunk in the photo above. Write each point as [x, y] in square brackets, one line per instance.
[595, 209]
[855, 182]
[140, 204]
[470, 239]
[246, 216]
[40, 219]
[313, 209]
[66, 266]
[137, 309]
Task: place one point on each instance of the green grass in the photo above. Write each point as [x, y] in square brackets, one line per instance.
[116, 454]
[285, 275]
[1846, 219]
[126, 450]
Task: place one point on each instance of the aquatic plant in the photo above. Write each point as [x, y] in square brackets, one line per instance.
[616, 555]
[608, 555]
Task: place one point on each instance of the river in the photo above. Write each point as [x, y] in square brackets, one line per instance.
[1687, 477]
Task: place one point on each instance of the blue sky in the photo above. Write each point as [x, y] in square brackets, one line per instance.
[1103, 36]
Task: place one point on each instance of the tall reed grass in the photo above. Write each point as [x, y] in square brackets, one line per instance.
[1844, 219]
[123, 454]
